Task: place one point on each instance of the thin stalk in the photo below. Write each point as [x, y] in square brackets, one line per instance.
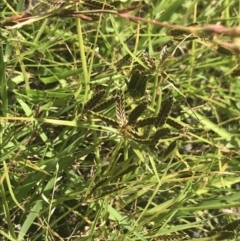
[96, 140]
[22, 66]
[3, 84]
[41, 31]
[86, 75]
[227, 10]
[238, 12]
[158, 106]
[12, 34]
[192, 61]
[155, 88]
[125, 147]
[6, 209]
[95, 136]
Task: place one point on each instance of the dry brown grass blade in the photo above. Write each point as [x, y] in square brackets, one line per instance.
[15, 19]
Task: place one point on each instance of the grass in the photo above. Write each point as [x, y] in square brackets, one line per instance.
[82, 158]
